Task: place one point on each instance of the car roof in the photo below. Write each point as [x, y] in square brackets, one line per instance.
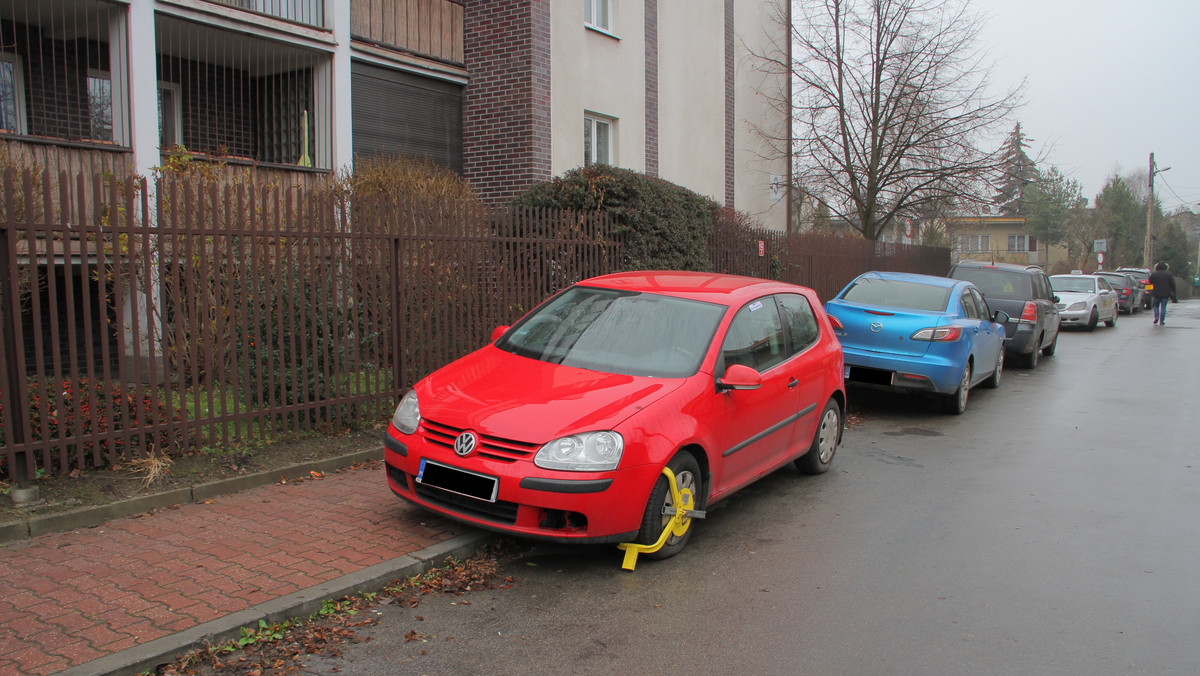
[1012, 267]
[705, 286]
[932, 280]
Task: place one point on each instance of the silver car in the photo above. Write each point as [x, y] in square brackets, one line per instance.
[1085, 300]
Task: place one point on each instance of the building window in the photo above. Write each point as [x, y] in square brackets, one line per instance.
[597, 140]
[1018, 242]
[100, 111]
[974, 242]
[170, 115]
[12, 94]
[598, 13]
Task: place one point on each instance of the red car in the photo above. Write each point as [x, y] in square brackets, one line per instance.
[560, 428]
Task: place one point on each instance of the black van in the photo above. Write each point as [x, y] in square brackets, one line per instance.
[1024, 293]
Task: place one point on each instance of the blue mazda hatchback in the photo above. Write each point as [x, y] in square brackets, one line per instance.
[921, 333]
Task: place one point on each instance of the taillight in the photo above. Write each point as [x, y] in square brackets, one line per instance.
[837, 323]
[943, 334]
[1029, 312]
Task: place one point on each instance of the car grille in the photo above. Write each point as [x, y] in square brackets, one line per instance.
[496, 448]
[498, 511]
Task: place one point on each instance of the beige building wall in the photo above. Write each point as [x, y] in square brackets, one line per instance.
[691, 95]
[605, 73]
[761, 126]
[597, 72]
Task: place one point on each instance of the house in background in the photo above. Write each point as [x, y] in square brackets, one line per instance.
[1001, 239]
[505, 92]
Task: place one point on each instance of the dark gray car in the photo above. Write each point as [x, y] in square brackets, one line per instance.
[1129, 292]
[1024, 294]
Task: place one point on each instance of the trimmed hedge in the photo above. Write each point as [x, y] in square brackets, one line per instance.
[663, 225]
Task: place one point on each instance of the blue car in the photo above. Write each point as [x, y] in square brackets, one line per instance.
[920, 333]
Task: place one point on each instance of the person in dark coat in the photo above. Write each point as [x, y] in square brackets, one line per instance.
[1164, 290]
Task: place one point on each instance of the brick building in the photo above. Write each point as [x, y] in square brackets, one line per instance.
[505, 92]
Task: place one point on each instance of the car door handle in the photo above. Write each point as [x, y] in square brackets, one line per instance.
[793, 383]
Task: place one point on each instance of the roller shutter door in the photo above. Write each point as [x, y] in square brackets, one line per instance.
[396, 112]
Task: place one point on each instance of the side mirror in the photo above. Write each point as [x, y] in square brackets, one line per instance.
[497, 332]
[739, 377]
[1001, 317]
[1055, 298]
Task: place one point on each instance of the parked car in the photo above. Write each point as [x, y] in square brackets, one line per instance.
[914, 332]
[1129, 292]
[1085, 300]
[1142, 275]
[1023, 293]
[560, 429]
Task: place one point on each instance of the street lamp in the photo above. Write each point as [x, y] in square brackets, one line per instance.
[1149, 252]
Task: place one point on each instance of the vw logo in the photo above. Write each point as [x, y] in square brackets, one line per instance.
[876, 327]
[465, 443]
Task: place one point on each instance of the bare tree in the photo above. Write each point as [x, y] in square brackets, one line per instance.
[891, 107]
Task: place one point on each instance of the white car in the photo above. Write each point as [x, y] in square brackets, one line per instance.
[1084, 300]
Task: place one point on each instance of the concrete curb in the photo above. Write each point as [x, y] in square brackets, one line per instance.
[93, 516]
[149, 656]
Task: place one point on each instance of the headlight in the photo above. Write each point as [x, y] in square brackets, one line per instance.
[408, 413]
[588, 452]
[1076, 307]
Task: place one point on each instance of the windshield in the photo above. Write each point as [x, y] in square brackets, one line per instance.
[630, 333]
[1071, 284]
[898, 294]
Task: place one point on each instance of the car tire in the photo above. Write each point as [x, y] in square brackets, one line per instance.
[1050, 349]
[1093, 320]
[1030, 361]
[993, 380]
[1112, 322]
[825, 441]
[956, 403]
[687, 475]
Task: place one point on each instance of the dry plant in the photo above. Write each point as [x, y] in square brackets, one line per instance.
[152, 468]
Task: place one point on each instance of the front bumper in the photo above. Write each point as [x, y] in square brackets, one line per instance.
[1076, 317]
[557, 506]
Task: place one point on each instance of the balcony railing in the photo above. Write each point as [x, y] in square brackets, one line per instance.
[432, 28]
[308, 12]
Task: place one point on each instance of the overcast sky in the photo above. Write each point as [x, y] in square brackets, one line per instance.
[1109, 82]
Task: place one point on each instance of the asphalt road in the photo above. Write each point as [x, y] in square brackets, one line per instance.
[1052, 529]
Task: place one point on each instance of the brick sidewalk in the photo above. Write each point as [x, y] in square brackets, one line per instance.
[69, 598]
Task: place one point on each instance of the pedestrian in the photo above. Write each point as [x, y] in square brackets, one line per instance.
[1164, 289]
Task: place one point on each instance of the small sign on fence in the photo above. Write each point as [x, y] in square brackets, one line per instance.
[762, 248]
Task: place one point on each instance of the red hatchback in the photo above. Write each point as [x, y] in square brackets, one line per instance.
[561, 428]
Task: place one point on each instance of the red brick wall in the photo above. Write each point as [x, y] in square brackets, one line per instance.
[506, 116]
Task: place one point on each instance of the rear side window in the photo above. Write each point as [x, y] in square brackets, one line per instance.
[801, 322]
[970, 309]
[996, 283]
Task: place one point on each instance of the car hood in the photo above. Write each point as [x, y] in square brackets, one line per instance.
[1068, 297]
[501, 394]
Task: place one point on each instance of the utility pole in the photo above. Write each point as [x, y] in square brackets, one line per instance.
[1149, 252]
[1150, 219]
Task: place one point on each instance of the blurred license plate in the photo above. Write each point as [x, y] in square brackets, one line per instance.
[460, 481]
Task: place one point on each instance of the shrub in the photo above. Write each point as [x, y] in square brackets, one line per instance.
[404, 178]
[289, 334]
[662, 225]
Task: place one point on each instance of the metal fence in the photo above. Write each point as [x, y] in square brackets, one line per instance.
[198, 314]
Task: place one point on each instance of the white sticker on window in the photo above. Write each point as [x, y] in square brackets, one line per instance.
[756, 305]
